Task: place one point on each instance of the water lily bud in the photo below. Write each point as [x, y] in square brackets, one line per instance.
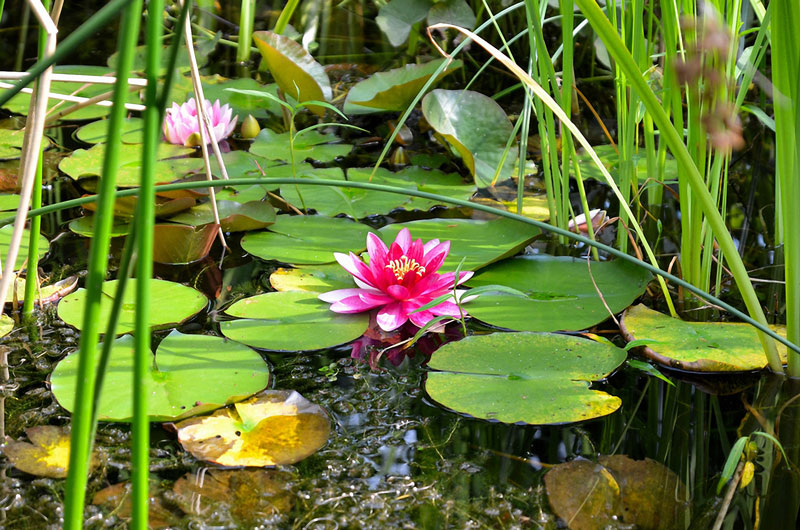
[193, 140]
[250, 128]
[399, 157]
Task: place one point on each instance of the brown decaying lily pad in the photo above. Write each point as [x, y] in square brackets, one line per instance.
[178, 244]
[47, 454]
[615, 490]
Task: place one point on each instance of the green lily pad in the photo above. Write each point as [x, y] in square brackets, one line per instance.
[6, 325]
[45, 294]
[617, 489]
[140, 60]
[478, 243]
[87, 163]
[242, 194]
[696, 346]
[561, 295]
[170, 304]
[307, 239]
[315, 279]
[610, 159]
[178, 381]
[477, 128]
[84, 226]
[9, 202]
[294, 70]
[5, 241]
[291, 321]
[537, 378]
[97, 131]
[397, 17]
[456, 12]
[233, 216]
[534, 206]
[215, 88]
[393, 90]
[19, 103]
[11, 143]
[313, 145]
[178, 244]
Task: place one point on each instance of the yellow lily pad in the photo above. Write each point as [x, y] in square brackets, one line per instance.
[6, 325]
[46, 455]
[696, 346]
[273, 428]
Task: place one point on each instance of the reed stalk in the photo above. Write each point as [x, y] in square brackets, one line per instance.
[246, 22]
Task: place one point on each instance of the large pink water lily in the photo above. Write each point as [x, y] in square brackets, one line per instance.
[398, 280]
[181, 127]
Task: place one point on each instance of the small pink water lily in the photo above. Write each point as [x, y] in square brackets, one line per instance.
[180, 123]
[399, 280]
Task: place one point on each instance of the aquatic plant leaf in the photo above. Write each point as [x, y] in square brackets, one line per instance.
[398, 16]
[294, 70]
[97, 131]
[140, 60]
[275, 427]
[696, 346]
[117, 500]
[243, 194]
[456, 12]
[19, 104]
[171, 303]
[610, 159]
[477, 128]
[45, 293]
[11, 144]
[8, 202]
[178, 380]
[311, 145]
[393, 90]
[47, 453]
[215, 87]
[561, 294]
[291, 321]
[478, 243]
[537, 378]
[178, 244]
[306, 239]
[125, 207]
[5, 241]
[84, 226]
[247, 496]
[533, 206]
[233, 216]
[617, 489]
[87, 163]
[314, 279]
[6, 325]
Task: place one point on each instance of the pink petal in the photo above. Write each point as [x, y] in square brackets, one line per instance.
[398, 292]
[403, 240]
[339, 294]
[377, 251]
[429, 245]
[421, 318]
[376, 298]
[436, 256]
[464, 276]
[448, 309]
[352, 304]
[391, 317]
[351, 264]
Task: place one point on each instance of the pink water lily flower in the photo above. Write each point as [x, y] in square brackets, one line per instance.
[398, 280]
[181, 127]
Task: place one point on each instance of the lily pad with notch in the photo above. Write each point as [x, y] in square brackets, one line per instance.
[5, 241]
[97, 131]
[562, 292]
[45, 455]
[291, 321]
[177, 382]
[11, 143]
[536, 378]
[307, 145]
[234, 216]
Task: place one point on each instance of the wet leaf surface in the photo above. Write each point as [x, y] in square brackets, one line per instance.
[310, 145]
[312, 278]
[22, 257]
[234, 216]
[47, 453]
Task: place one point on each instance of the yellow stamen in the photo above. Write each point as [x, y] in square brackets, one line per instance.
[403, 265]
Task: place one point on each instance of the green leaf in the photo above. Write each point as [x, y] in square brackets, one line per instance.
[648, 369]
[610, 159]
[398, 16]
[9, 202]
[477, 128]
[455, 12]
[178, 381]
[307, 239]
[140, 60]
[97, 131]
[479, 243]
[291, 321]
[537, 378]
[294, 70]
[11, 143]
[233, 216]
[242, 103]
[5, 241]
[171, 303]
[314, 279]
[731, 462]
[314, 145]
[6, 325]
[697, 346]
[177, 244]
[393, 90]
[560, 292]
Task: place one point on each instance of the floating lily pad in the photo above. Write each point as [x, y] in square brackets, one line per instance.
[397, 17]
[178, 381]
[276, 427]
[140, 60]
[216, 87]
[456, 12]
[97, 131]
[291, 321]
[5, 241]
[477, 128]
[45, 294]
[125, 207]
[87, 163]
[233, 216]
[610, 159]
[307, 239]
[479, 243]
[561, 295]
[47, 453]
[84, 226]
[170, 304]
[696, 346]
[314, 279]
[247, 496]
[6, 325]
[533, 206]
[617, 490]
[311, 145]
[179, 244]
[393, 90]
[9, 202]
[11, 143]
[537, 378]
[294, 70]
